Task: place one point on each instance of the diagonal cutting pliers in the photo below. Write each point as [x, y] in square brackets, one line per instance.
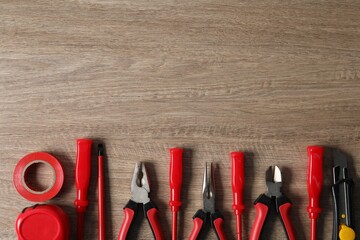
[207, 216]
[271, 201]
[140, 204]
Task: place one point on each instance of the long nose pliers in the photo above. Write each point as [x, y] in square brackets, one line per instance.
[140, 204]
[207, 216]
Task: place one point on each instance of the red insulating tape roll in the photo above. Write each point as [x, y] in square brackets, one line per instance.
[20, 176]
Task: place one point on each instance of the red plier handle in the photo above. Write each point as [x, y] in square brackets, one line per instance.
[151, 212]
[203, 221]
[283, 205]
[262, 206]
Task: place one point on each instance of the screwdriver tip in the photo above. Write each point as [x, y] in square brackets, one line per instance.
[100, 149]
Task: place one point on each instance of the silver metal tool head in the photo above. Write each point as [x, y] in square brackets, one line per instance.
[208, 192]
[340, 158]
[340, 169]
[273, 181]
[277, 174]
[140, 188]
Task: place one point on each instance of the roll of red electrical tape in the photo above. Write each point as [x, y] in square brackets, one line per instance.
[20, 176]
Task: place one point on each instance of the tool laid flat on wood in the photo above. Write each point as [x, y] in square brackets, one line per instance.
[82, 180]
[140, 204]
[237, 177]
[343, 228]
[207, 216]
[272, 200]
[101, 193]
[314, 186]
[175, 182]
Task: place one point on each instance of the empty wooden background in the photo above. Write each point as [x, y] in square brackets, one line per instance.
[212, 76]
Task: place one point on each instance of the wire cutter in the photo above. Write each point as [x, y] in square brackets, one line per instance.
[140, 204]
[271, 201]
[208, 216]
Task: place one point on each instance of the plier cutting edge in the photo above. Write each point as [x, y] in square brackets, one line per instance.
[272, 200]
[207, 216]
[140, 204]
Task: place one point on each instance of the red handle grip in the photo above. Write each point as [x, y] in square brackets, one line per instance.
[129, 215]
[238, 181]
[261, 212]
[284, 212]
[82, 173]
[175, 178]
[152, 215]
[314, 179]
[198, 222]
[219, 228]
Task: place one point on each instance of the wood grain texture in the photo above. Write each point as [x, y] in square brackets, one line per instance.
[265, 77]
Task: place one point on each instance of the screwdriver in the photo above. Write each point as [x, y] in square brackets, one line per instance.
[101, 193]
[238, 189]
[175, 182]
[314, 185]
[82, 180]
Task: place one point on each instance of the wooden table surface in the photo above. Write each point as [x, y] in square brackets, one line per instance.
[265, 77]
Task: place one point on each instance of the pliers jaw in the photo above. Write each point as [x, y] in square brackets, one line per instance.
[140, 187]
[208, 192]
[273, 181]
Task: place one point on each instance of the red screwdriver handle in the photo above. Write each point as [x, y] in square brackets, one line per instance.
[175, 178]
[314, 179]
[82, 173]
[238, 182]
[175, 182]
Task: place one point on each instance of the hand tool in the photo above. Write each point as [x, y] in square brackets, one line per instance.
[269, 202]
[175, 182]
[21, 179]
[343, 228]
[207, 216]
[314, 185]
[139, 204]
[101, 193]
[82, 180]
[238, 189]
[42, 222]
